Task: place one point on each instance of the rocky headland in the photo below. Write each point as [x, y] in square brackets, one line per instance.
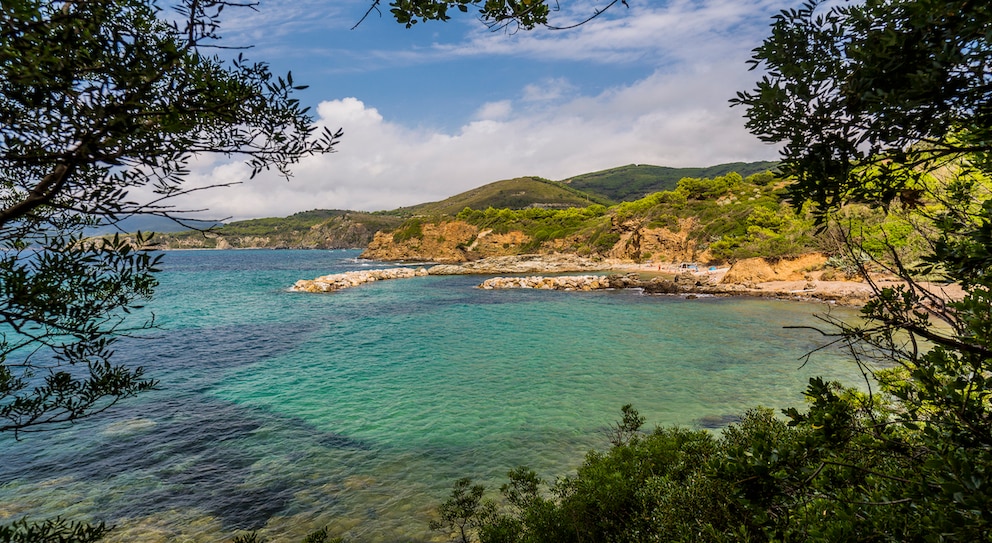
[458, 242]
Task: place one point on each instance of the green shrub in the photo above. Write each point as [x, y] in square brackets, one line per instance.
[412, 228]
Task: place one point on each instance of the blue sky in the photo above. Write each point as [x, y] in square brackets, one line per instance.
[440, 108]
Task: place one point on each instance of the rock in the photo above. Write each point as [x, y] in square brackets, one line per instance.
[760, 270]
[338, 281]
[566, 282]
[554, 263]
[637, 241]
[660, 286]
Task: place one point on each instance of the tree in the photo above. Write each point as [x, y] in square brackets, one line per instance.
[883, 102]
[496, 14]
[864, 96]
[886, 103]
[98, 99]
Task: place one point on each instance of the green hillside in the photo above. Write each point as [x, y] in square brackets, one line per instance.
[517, 193]
[733, 217]
[636, 181]
[323, 228]
[318, 228]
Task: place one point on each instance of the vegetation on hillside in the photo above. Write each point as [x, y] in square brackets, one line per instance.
[539, 224]
[319, 228]
[636, 181]
[728, 217]
[519, 193]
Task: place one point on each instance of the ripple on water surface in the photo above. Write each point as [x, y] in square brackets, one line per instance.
[284, 412]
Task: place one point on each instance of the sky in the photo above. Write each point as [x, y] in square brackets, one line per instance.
[444, 107]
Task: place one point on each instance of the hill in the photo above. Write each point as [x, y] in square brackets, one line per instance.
[636, 181]
[713, 221]
[315, 229]
[331, 229]
[717, 219]
[520, 193]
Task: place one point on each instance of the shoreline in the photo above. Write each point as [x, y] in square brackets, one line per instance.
[558, 272]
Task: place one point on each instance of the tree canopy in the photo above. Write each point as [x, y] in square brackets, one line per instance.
[496, 14]
[98, 100]
[884, 102]
[890, 101]
[863, 96]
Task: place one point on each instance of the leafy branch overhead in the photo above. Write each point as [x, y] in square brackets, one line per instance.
[101, 102]
[881, 102]
[496, 14]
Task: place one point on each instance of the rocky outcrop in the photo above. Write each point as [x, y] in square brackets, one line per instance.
[441, 242]
[638, 242]
[654, 285]
[760, 270]
[568, 282]
[338, 281]
[455, 242]
[492, 244]
[793, 279]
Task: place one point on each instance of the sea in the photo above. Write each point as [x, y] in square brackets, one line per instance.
[282, 412]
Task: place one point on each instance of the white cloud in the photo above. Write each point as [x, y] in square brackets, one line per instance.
[495, 111]
[548, 90]
[677, 119]
[677, 116]
[649, 31]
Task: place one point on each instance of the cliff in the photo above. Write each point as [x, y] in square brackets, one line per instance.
[457, 241]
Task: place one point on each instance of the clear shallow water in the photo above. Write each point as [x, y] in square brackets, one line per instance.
[357, 410]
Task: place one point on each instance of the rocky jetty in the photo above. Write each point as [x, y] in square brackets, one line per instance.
[338, 281]
[583, 282]
[532, 263]
[568, 282]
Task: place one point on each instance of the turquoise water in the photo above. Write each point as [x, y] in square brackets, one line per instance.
[284, 412]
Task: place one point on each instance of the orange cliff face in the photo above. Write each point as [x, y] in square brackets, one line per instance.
[458, 241]
[448, 242]
[638, 243]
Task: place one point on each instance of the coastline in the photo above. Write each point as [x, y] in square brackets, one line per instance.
[558, 272]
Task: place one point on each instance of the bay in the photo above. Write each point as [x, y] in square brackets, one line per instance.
[284, 412]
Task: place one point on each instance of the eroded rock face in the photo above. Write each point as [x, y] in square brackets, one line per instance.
[443, 242]
[637, 242]
[454, 242]
[760, 270]
[491, 244]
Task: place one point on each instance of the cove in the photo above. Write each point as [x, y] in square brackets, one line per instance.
[284, 412]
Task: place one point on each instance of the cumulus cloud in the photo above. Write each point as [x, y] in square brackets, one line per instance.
[667, 119]
[678, 115]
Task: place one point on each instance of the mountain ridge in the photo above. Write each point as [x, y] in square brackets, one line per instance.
[335, 229]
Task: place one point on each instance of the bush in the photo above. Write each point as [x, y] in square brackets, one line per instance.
[412, 228]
